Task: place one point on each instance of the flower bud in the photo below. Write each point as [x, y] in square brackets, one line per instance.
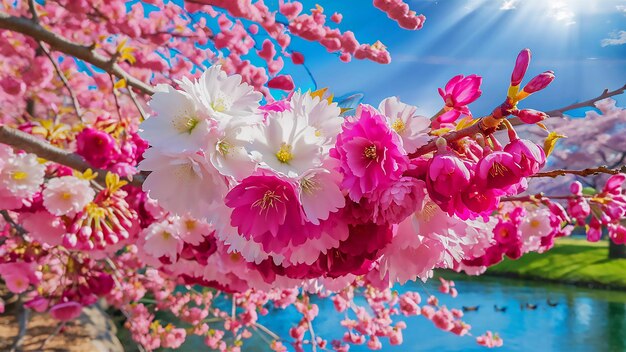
[521, 64]
[531, 116]
[539, 82]
[576, 188]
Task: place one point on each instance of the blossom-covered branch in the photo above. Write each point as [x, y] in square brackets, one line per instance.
[85, 53]
[45, 150]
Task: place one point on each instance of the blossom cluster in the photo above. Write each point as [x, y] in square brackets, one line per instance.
[604, 209]
[296, 191]
[270, 201]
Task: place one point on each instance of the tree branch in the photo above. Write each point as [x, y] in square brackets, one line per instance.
[43, 149]
[585, 172]
[59, 43]
[587, 103]
[480, 127]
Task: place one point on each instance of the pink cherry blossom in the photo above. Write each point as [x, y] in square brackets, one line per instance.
[457, 94]
[370, 153]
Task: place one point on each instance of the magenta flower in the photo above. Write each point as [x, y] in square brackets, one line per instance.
[476, 201]
[459, 92]
[97, 147]
[266, 210]
[614, 184]
[370, 154]
[498, 171]
[447, 176]
[529, 156]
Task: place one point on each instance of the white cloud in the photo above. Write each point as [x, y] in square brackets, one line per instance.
[621, 8]
[508, 5]
[615, 38]
[560, 11]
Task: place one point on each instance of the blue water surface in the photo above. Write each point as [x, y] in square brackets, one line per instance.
[582, 320]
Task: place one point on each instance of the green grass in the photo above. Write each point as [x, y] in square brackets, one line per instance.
[570, 261]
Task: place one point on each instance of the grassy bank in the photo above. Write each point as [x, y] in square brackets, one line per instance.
[571, 261]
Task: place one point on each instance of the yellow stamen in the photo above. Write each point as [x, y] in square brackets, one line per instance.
[185, 123]
[190, 224]
[166, 235]
[534, 223]
[223, 147]
[284, 153]
[19, 175]
[370, 152]
[498, 169]
[66, 195]
[428, 212]
[218, 105]
[267, 201]
[309, 185]
[398, 126]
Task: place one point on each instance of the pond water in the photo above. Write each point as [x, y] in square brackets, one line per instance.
[583, 319]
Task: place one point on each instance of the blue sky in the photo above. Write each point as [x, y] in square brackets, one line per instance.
[579, 39]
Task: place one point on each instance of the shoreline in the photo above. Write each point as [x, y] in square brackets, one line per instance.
[582, 284]
[572, 261]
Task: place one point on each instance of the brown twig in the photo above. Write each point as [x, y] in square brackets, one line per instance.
[33, 11]
[585, 172]
[538, 198]
[66, 83]
[117, 102]
[43, 149]
[133, 97]
[587, 103]
[10, 221]
[56, 331]
[86, 53]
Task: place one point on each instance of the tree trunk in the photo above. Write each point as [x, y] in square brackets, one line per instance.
[616, 250]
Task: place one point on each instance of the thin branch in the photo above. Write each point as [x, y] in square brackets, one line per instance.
[10, 221]
[233, 309]
[86, 53]
[56, 331]
[538, 197]
[33, 11]
[133, 97]
[312, 332]
[268, 331]
[66, 83]
[117, 102]
[23, 317]
[560, 112]
[43, 149]
[585, 172]
[587, 103]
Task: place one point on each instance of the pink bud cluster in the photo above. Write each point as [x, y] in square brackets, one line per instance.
[605, 209]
